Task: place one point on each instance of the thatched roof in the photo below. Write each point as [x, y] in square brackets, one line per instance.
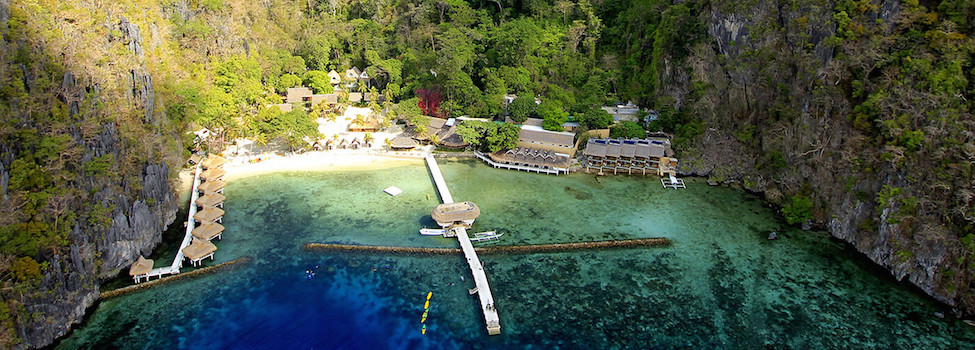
[455, 212]
[140, 267]
[355, 97]
[210, 187]
[199, 249]
[210, 214]
[532, 157]
[403, 142]
[295, 95]
[210, 200]
[207, 230]
[213, 174]
[194, 159]
[367, 123]
[213, 161]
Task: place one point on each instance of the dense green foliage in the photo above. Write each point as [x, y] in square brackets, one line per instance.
[488, 136]
[881, 105]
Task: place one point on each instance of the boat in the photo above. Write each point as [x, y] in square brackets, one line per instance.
[430, 294]
[433, 232]
[424, 329]
[424, 317]
[426, 305]
[486, 236]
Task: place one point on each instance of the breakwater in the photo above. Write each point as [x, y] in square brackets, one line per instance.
[236, 263]
[522, 249]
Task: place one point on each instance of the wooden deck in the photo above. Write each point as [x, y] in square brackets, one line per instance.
[491, 318]
[490, 162]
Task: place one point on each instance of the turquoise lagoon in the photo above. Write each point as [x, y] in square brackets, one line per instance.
[721, 284]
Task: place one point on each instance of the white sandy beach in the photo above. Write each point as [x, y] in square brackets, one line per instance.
[336, 160]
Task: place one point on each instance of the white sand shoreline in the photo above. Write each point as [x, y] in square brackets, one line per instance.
[335, 160]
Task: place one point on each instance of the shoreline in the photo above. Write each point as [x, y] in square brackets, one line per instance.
[335, 160]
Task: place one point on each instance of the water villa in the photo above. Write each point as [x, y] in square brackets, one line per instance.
[453, 214]
[210, 214]
[212, 187]
[211, 200]
[538, 150]
[208, 231]
[213, 174]
[630, 156]
[140, 270]
[199, 250]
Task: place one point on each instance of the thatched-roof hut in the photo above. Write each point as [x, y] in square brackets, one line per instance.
[213, 161]
[213, 174]
[211, 200]
[211, 187]
[462, 213]
[210, 214]
[140, 269]
[199, 250]
[208, 231]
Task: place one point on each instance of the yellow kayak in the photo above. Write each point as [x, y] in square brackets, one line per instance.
[426, 305]
[424, 330]
[429, 295]
[424, 318]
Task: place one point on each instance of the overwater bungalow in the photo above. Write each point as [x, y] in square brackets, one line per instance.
[211, 187]
[451, 214]
[213, 174]
[630, 156]
[210, 214]
[140, 269]
[208, 231]
[198, 250]
[538, 150]
[211, 200]
[213, 161]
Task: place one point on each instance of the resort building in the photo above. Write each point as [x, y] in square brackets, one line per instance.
[297, 95]
[538, 150]
[402, 143]
[334, 78]
[630, 156]
[454, 214]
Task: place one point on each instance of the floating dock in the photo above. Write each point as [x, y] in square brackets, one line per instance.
[491, 318]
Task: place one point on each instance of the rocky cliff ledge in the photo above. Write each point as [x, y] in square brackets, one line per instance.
[816, 105]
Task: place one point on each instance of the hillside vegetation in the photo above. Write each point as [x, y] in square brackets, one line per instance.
[851, 115]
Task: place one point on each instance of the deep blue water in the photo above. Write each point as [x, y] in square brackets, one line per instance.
[720, 285]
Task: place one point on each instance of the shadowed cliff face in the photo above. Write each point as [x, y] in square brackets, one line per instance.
[799, 105]
[104, 194]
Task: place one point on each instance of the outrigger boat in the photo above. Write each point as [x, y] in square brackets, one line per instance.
[433, 232]
[486, 236]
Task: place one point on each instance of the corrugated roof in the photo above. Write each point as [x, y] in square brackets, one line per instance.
[538, 135]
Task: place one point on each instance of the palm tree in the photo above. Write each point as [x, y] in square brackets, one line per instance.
[367, 138]
[389, 144]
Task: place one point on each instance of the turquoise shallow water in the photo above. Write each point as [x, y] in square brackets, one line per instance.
[720, 285]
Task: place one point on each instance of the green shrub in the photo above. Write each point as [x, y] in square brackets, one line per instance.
[798, 210]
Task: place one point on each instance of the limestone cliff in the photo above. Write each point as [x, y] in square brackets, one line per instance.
[816, 105]
[84, 166]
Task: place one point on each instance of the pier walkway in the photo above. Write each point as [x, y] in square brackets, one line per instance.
[188, 238]
[491, 318]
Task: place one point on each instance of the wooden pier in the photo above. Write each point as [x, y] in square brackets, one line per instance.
[491, 318]
[212, 199]
[490, 162]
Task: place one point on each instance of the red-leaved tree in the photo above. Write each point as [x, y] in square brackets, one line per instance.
[429, 102]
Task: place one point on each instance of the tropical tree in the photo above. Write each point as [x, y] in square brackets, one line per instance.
[521, 108]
